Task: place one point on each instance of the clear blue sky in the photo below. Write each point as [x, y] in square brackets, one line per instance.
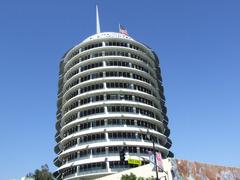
[198, 43]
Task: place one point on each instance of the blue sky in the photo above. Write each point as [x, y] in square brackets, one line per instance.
[198, 43]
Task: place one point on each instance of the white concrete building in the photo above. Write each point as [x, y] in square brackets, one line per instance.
[110, 95]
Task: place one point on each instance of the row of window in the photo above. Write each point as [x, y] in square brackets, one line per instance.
[97, 166]
[110, 85]
[83, 126]
[72, 74]
[74, 83]
[128, 109]
[91, 88]
[69, 171]
[111, 135]
[108, 63]
[119, 97]
[123, 44]
[108, 53]
[117, 63]
[114, 43]
[108, 97]
[109, 74]
[85, 89]
[89, 112]
[117, 108]
[92, 137]
[117, 74]
[110, 122]
[145, 112]
[102, 151]
[90, 66]
[71, 118]
[91, 76]
[90, 46]
[84, 139]
[131, 135]
[70, 144]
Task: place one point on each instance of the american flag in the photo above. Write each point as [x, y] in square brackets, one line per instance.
[123, 30]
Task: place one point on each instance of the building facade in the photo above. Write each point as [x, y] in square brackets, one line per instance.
[110, 96]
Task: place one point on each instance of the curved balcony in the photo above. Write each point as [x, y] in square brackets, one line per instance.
[110, 79]
[68, 65]
[108, 69]
[57, 162]
[58, 137]
[57, 149]
[170, 154]
[168, 143]
[167, 131]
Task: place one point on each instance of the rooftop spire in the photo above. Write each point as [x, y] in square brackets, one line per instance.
[97, 21]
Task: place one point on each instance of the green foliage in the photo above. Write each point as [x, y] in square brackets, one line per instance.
[41, 174]
[150, 178]
[129, 177]
[134, 177]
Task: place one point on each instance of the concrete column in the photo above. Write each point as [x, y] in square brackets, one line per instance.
[134, 110]
[104, 62]
[132, 86]
[78, 154]
[90, 154]
[104, 97]
[105, 122]
[138, 151]
[78, 169]
[130, 64]
[107, 151]
[135, 121]
[105, 110]
[108, 166]
[106, 136]
[104, 85]
[133, 97]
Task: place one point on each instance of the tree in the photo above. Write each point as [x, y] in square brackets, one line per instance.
[129, 177]
[134, 177]
[41, 174]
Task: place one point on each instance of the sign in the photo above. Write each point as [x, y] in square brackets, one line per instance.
[135, 161]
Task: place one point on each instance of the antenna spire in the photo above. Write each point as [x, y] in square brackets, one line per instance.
[97, 21]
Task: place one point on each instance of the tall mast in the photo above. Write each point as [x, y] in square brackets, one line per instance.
[97, 21]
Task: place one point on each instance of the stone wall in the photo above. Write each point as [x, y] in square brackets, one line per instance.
[187, 170]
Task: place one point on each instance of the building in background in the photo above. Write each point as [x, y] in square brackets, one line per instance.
[110, 96]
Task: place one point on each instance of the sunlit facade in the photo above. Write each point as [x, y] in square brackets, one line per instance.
[110, 96]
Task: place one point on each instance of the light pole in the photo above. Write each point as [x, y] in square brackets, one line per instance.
[154, 152]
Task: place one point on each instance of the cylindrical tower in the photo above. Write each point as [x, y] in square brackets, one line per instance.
[110, 96]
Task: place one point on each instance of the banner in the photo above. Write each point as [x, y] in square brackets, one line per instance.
[158, 160]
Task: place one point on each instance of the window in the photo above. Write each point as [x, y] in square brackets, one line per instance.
[120, 109]
[91, 88]
[91, 111]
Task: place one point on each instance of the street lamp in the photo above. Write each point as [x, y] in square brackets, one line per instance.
[151, 138]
